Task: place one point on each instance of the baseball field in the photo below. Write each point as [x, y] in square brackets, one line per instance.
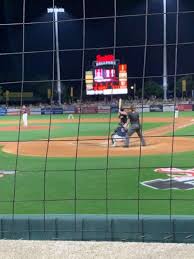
[61, 166]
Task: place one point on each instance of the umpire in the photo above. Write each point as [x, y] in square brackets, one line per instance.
[133, 117]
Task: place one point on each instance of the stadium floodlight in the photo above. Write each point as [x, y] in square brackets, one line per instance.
[56, 10]
[165, 79]
[133, 88]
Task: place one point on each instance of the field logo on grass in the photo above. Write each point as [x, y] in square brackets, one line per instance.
[180, 179]
[4, 172]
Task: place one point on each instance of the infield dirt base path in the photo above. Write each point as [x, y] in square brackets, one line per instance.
[92, 146]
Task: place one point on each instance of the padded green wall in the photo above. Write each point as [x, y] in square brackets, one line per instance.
[99, 228]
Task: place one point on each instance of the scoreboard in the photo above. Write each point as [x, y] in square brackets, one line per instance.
[107, 77]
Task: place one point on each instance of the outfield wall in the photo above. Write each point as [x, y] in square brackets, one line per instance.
[98, 228]
[93, 109]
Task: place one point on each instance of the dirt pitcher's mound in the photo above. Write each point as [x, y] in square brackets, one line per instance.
[98, 147]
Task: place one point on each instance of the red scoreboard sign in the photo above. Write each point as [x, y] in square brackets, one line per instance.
[107, 77]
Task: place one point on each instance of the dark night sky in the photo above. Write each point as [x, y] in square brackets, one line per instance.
[130, 31]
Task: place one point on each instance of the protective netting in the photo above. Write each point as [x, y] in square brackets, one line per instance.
[114, 182]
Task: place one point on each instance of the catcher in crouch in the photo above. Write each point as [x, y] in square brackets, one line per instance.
[133, 119]
[120, 134]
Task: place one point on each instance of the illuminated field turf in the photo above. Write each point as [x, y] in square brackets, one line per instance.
[100, 185]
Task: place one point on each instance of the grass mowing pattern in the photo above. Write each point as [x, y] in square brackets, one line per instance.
[91, 178]
[67, 130]
[91, 189]
[187, 131]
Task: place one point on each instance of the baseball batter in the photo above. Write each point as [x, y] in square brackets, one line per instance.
[24, 112]
[122, 116]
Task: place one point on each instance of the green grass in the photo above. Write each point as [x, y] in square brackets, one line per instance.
[100, 185]
[167, 114]
[67, 130]
[59, 116]
[187, 131]
[91, 177]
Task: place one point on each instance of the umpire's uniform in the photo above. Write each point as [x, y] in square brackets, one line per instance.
[135, 126]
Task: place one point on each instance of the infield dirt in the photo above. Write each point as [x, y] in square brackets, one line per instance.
[93, 146]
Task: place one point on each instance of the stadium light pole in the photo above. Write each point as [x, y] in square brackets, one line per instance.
[56, 10]
[165, 79]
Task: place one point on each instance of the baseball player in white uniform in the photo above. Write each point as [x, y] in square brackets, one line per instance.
[176, 114]
[24, 113]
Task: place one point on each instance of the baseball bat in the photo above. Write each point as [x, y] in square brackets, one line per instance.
[120, 104]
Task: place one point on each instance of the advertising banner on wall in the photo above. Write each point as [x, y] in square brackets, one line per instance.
[89, 109]
[168, 108]
[156, 108]
[103, 108]
[69, 109]
[35, 111]
[185, 107]
[3, 111]
[13, 111]
[49, 110]
[145, 108]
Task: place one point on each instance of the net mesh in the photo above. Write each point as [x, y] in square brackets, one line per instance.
[107, 185]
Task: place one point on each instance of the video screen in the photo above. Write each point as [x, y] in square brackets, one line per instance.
[107, 77]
